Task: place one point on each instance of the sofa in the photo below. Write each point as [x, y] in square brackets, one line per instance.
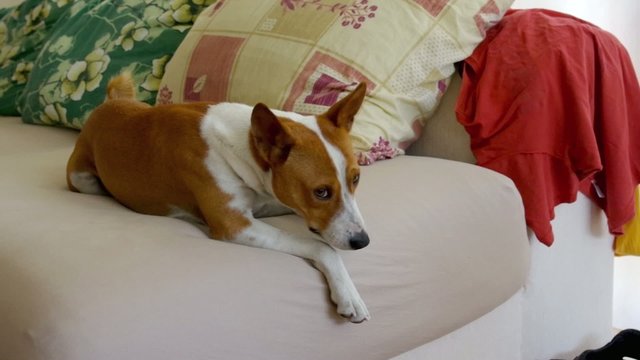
[451, 271]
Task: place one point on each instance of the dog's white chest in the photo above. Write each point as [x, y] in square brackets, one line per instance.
[225, 128]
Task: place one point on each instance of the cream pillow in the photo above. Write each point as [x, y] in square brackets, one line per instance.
[304, 55]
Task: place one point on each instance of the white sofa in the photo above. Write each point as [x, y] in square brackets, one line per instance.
[447, 274]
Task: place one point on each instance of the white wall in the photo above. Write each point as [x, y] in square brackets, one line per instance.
[626, 293]
[621, 18]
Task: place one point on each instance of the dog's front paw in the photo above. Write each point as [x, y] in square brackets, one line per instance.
[352, 307]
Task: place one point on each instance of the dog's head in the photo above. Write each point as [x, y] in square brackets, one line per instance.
[313, 169]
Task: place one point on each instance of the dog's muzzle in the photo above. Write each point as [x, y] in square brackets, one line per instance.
[359, 240]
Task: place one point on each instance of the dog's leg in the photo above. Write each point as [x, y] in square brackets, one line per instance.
[324, 258]
[81, 173]
[87, 183]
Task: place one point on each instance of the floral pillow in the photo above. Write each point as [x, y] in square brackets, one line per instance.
[23, 30]
[95, 41]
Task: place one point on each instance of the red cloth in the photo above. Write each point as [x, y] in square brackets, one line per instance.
[553, 102]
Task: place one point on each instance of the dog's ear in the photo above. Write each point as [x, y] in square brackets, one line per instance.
[341, 114]
[270, 140]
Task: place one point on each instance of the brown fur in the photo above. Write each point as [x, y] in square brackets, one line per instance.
[335, 125]
[310, 163]
[152, 157]
[121, 87]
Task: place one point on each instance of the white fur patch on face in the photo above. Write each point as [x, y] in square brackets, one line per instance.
[348, 221]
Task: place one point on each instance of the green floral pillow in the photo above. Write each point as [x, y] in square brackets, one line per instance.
[95, 41]
[23, 30]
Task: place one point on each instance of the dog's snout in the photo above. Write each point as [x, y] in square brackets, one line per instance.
[359, 240]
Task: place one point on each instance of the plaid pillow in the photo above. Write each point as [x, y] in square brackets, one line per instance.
[304, 55]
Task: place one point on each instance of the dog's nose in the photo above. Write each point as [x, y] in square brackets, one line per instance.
[359, 240]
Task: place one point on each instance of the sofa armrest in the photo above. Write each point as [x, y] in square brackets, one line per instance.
[443, 136]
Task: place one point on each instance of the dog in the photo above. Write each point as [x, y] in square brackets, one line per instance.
[229, 164]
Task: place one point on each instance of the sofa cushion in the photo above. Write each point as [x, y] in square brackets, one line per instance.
[303, 55]
[443, 136]
[96, 40]
[85, 278]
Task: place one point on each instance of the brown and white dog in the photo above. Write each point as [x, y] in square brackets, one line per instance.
[228, 164]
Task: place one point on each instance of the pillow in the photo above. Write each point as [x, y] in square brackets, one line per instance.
[23, 30]
[304, 55]
[96, 40]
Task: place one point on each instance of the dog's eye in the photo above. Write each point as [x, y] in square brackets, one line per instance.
[356, 179]
[322, 193]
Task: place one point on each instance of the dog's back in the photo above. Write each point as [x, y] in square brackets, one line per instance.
[133, 150]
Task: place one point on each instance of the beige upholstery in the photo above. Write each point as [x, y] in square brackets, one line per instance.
[82, 277]
[443, 137]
